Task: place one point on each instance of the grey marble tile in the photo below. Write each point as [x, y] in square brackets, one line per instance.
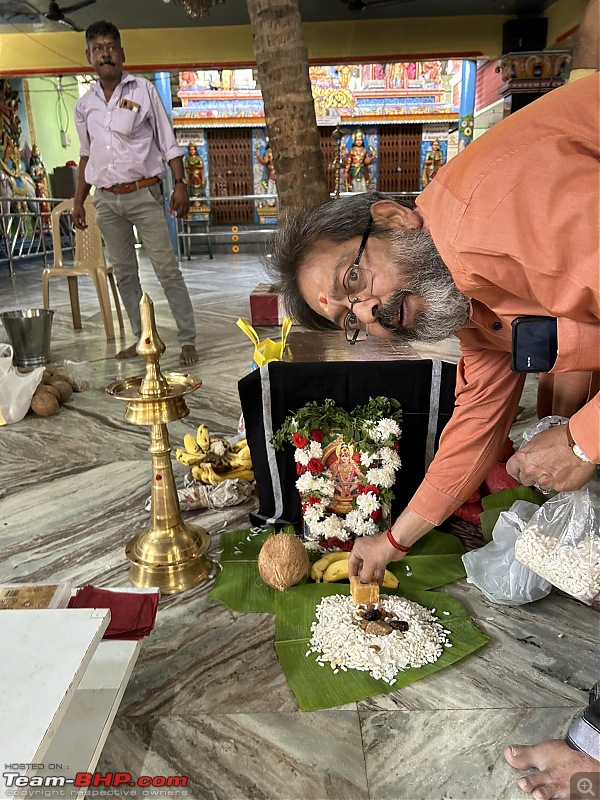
[451, 755]
[241, 756]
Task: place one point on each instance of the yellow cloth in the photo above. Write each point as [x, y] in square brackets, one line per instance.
[266, 350]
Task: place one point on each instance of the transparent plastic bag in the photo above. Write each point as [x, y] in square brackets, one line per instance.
[543, 425]
[561, 542]
[493, 568]
[79, 373]
[16, 388]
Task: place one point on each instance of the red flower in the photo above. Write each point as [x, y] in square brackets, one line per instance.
[377, 515]
[312, 500]
[300, 468]
[304, 507]
[337, 543]
[396, 445]
[315, 466]
[369, 488]
[299, 440]
[317, 435]
[356, 457]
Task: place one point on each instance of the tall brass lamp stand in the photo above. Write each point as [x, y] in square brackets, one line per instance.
[170, 554]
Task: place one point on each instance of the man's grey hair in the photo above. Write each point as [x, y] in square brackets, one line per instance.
[300, 234]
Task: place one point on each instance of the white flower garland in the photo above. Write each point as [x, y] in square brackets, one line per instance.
[316, 486]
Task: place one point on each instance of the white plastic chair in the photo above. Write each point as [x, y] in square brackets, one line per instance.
[88, 260]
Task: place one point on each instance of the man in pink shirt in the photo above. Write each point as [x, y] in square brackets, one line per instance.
[126, 136]
[494, 237]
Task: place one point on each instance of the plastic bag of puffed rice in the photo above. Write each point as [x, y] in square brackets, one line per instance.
[561, 542]
[494, 569]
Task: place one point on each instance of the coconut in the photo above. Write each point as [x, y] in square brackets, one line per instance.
[64, 389]
[282, 561]
[44, 404]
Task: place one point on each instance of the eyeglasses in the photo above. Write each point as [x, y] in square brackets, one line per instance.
[357, 281]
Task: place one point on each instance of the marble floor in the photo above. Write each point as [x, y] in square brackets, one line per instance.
[207, 698]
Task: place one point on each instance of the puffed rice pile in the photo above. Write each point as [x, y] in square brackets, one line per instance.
[339, 640]
[574, 568]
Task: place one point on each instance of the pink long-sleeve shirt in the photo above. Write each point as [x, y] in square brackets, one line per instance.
[516, 219]
[127, 138]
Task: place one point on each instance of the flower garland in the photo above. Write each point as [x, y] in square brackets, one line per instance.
[374, 430]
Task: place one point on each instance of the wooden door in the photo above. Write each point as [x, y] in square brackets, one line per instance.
[399, 146]
[230, 171]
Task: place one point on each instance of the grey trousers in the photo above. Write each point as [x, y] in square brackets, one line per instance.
[116, 216]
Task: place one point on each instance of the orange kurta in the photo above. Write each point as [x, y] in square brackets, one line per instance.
[516, 219]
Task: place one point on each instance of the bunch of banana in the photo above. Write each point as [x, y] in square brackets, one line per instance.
[213, 459]
[334, 567]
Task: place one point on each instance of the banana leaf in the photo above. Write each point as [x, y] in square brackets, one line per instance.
[317, 686]
[495, 504]
[507, 497]
[434, 561]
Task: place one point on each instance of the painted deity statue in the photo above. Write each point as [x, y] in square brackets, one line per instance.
[269, 177]
[14, 182]
[194, 167]
[346, 476]
[37, 170]
[358, 159]
[434, 159]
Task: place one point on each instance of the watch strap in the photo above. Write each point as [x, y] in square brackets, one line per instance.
[577, 451]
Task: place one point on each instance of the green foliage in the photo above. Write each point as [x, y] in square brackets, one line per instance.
[328, 416]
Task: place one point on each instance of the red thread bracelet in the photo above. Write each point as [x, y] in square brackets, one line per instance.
[395, 544]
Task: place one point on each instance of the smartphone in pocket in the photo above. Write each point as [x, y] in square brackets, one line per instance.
[534, 344]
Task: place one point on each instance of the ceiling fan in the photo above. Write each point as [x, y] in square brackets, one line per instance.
[57, 14]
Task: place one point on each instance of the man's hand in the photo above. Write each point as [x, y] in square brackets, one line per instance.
[548, 462]
[78, 216]
[180, 201]
[370, 556]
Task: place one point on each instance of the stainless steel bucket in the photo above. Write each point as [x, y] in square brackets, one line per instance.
[29, 333]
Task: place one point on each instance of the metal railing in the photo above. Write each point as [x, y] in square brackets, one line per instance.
[27, 233]
[211, 234]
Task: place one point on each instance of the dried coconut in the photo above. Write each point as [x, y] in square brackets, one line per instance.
[282, 561]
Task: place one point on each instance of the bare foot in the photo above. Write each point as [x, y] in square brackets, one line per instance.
[129, 352]
[188, 355]
[563, 773]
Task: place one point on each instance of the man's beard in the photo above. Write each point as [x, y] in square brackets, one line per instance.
[424, 274]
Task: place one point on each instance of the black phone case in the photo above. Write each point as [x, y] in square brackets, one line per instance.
[534, 344]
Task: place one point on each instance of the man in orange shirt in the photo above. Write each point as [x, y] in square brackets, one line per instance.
[491, 239]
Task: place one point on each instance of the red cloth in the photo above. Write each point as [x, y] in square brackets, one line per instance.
[132, 614]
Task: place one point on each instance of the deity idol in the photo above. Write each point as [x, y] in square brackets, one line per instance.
[358, 160]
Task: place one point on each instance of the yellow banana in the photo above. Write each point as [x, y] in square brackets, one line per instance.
[318, 568]
[241, 473]
[390, 581]
[203, 437]
[188, 459]
[239, 445]
[190, 444]
[338, 571]
[241, 459]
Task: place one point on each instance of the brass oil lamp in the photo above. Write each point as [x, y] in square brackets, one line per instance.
[171, 553]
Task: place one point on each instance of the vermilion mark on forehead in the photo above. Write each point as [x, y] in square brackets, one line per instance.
[323, 300]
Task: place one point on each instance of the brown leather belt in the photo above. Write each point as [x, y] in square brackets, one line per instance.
[126, 188]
